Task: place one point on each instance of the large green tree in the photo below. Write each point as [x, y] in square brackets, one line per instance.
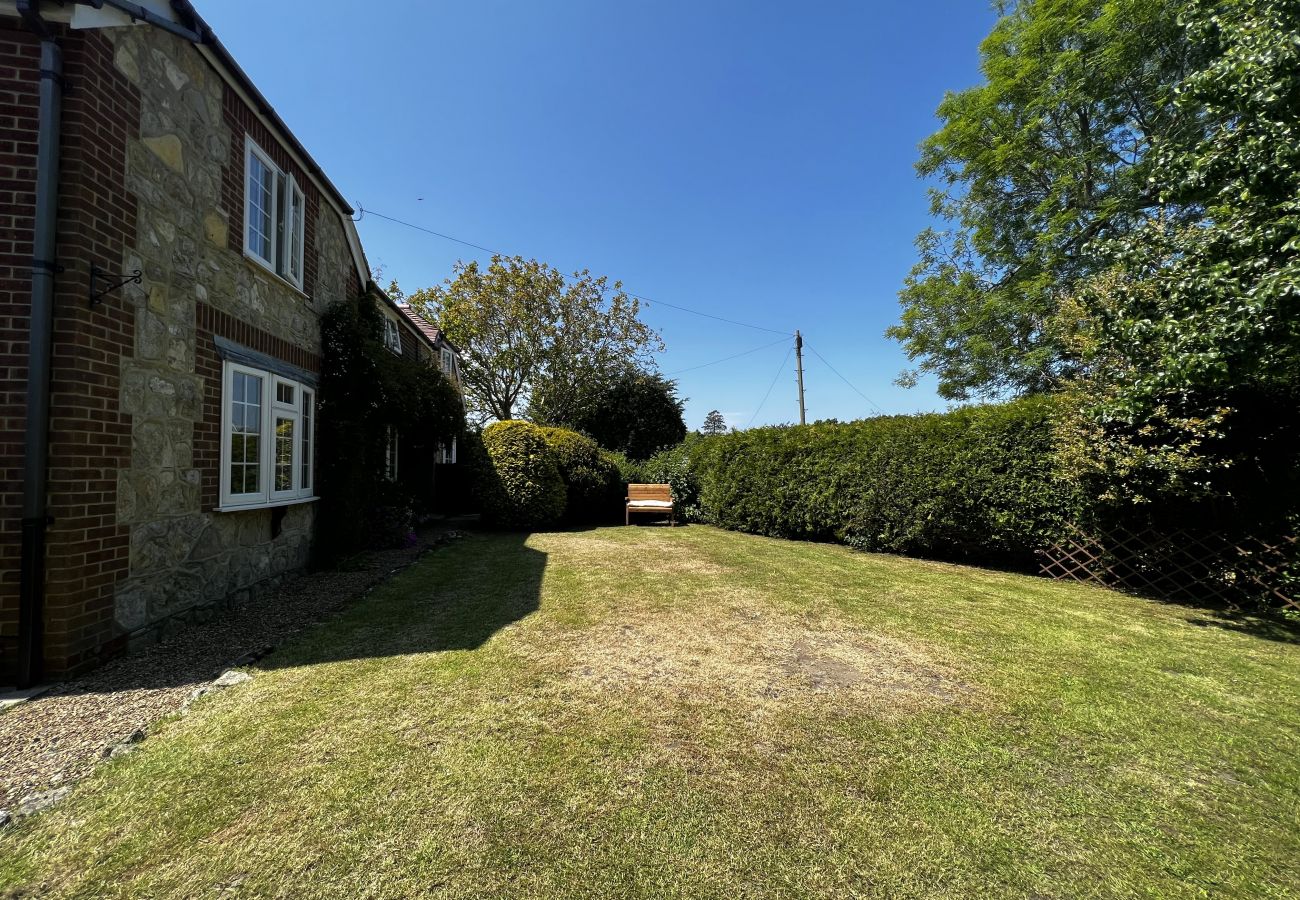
[526, 332]
[1049, 155]
[638, 414]
[1191, 344]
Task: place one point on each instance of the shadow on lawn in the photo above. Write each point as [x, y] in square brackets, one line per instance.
[1266, 626]
[455, 599]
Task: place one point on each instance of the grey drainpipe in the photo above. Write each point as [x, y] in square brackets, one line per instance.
[36, 446]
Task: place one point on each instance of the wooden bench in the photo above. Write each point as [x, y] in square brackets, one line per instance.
[650, 498]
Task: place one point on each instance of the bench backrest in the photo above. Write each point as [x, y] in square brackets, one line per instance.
[649, 492]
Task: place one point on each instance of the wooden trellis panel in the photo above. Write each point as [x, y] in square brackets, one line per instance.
[1180, 565]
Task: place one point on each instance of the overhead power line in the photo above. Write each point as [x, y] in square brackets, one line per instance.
[446, 237]
[727, 358]
[363, 212]
[854, 387]
[784, 360]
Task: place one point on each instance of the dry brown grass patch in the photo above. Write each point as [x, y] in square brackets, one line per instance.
[735, 654]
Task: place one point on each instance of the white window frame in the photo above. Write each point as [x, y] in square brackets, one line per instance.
[307, 443]
[304, 438]
[288, 236]
[392, 444]
[446, 456]
[392, 334]
[448, 363]
[286, 412]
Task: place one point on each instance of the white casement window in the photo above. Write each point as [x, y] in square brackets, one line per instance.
[392, 335]
[275, 216]
[448, 363]
[391, 441]
[446, 453]
[267, 438]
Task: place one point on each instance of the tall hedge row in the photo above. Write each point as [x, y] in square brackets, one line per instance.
[977, 484]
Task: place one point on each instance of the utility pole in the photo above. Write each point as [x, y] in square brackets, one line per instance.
[798, 364]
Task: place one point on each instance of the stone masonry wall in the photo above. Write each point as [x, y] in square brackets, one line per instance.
[187, 169]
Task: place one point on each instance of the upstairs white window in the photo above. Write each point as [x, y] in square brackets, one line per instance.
[267, 425]
[448, 363]
[392, 335]
[275, 213]
[446, 453]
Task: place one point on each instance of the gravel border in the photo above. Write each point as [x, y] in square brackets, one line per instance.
[56, 738]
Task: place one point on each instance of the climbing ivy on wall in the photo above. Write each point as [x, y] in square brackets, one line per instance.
[365, 390]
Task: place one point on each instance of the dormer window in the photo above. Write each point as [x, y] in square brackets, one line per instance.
[275, 214]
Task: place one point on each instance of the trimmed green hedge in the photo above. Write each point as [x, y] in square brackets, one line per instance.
[519, 480]
[592, 483]
[678, 468]
[977, 484]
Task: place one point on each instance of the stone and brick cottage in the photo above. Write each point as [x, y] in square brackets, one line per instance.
[180, 462]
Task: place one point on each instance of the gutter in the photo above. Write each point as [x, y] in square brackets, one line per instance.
[138, 13]
[36, 439]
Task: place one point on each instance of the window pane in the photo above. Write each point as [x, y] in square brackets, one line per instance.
[296, 225]
[252, 389]
[281, 232]
[245, 426]
[306, 440]
[283, 393]
[261, 207]
[284, 454]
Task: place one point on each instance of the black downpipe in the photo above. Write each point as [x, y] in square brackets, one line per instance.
[36, 446]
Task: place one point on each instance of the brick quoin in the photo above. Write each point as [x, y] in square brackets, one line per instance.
[20, 56]
[90, 437]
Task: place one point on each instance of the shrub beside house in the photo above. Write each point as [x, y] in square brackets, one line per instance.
[182, 454]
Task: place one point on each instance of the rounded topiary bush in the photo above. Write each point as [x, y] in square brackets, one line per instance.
[592, 482]
[519, 481]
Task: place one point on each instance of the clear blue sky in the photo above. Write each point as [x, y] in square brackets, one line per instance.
[752, 160]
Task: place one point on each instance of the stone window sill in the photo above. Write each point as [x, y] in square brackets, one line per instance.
[243, 507]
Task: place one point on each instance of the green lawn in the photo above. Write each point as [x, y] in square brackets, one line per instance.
[688, 712]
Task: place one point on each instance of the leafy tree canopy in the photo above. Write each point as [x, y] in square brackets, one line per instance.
[638, 415]
[1191, 345]
[526, 332]
[1050, 153]
[714, 423]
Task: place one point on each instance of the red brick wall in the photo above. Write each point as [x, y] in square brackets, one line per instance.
[243, 123]
[90, 435]
[212, 323]
[19, 103]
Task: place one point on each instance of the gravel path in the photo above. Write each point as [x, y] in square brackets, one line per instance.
[57, 738]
